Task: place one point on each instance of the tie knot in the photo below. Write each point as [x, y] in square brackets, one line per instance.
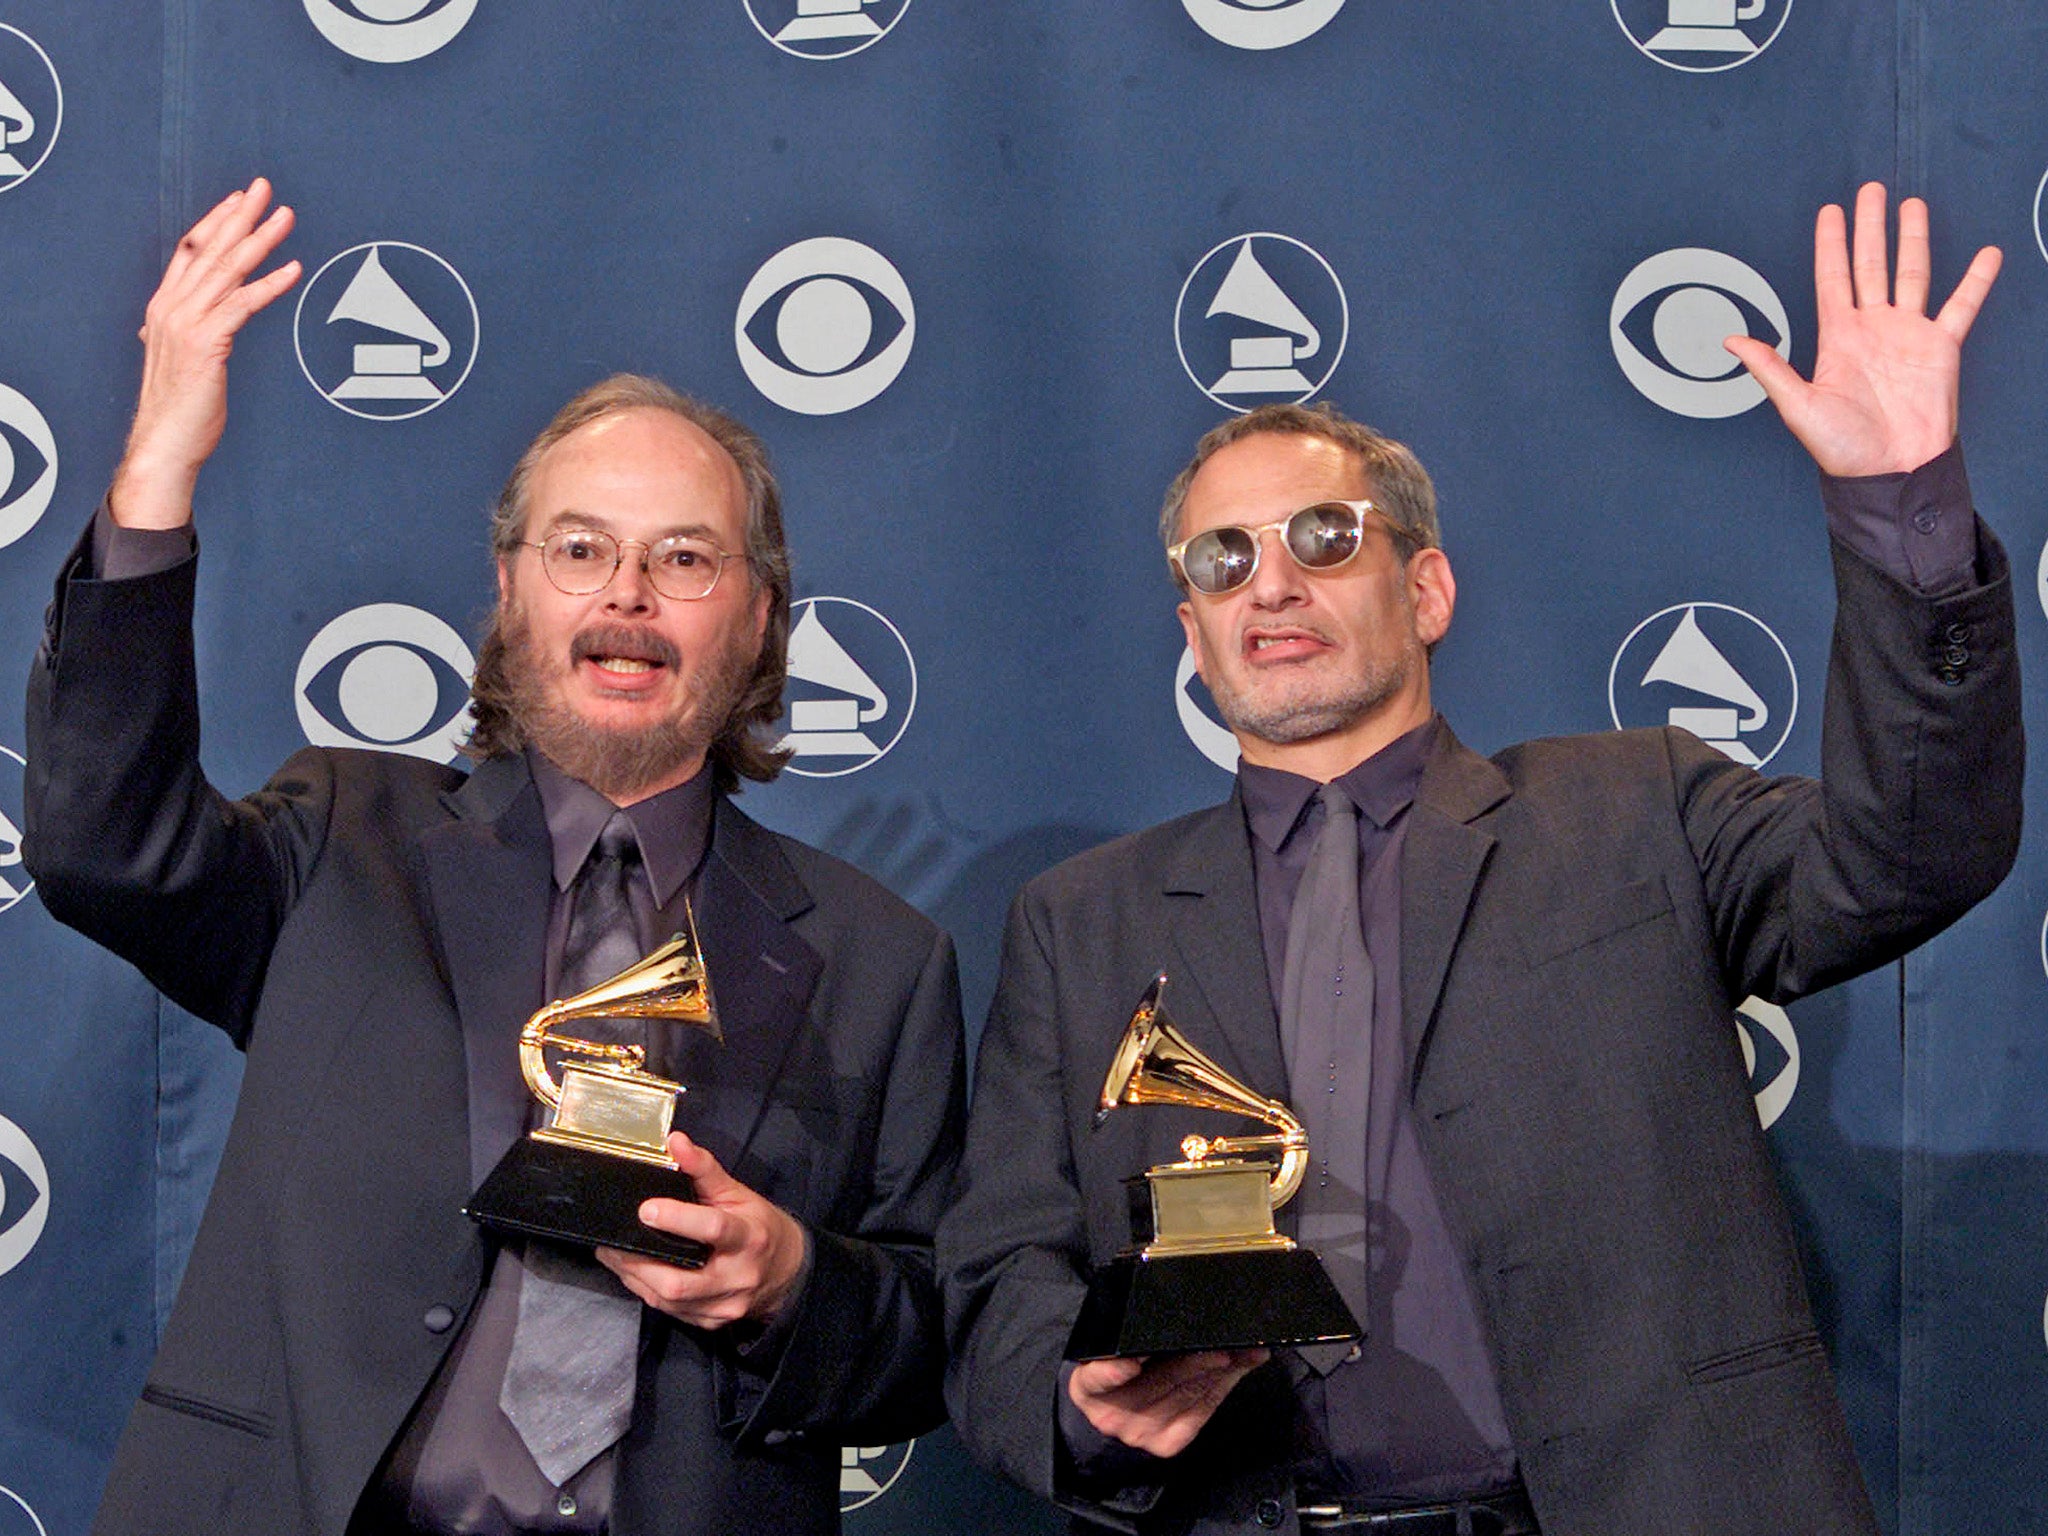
[616, 843]
[1336, 802]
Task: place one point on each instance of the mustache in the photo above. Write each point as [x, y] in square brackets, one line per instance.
[625, 641]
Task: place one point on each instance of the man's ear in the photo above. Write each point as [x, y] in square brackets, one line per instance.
[1186, 614]
[504, 581]
[1432, 594]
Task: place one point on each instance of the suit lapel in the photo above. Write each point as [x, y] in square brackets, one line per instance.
[488, 874]
[762, 976]
[1441, 863]
[1223, 1000]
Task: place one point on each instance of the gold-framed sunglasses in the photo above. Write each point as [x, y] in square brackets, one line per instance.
[1318, 538]
[580, 561]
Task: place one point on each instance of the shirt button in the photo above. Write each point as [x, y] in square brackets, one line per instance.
[565, 1506]
[1269, 1513]
[439, 1318]
[1925, 521]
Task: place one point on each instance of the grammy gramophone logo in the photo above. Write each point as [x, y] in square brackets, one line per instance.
[386, 330]
[1710, 669]
[1261, 318]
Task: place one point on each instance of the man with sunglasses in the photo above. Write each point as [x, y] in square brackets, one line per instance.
[348, 1351]
[1498, 993]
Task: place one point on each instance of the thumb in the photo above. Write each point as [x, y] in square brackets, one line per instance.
[1780, 380]
[714, 1184]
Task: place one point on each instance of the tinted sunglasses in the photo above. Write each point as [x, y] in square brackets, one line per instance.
[1317, 538]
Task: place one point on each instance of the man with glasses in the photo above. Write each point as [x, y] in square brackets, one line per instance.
[1498, 993]
[348, 1351]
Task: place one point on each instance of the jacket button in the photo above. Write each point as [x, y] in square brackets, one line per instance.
[1269, 1513]
[1950, 676]
[439, 1318]
[1958, 634]
[1955, 656]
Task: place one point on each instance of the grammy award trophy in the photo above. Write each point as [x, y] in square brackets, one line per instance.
[1205, 1269]
[581, 1177]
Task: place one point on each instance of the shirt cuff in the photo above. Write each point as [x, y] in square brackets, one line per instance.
[758, 1351]
[1919, 527]
[119, 554]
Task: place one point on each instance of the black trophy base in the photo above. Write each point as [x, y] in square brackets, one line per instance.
[588, 1199]
[1243, 1300]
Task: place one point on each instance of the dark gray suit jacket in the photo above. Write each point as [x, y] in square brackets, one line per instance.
[1578, 917]
[370, 928]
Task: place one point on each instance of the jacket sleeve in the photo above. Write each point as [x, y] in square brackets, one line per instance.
[861, 1353]
[1916, 815]
[126, 839]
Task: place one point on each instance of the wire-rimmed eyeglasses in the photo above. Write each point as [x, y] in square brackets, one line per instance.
[580, 561]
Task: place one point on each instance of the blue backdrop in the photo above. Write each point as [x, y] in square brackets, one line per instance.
[981, 274]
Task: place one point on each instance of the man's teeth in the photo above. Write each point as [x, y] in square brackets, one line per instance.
[624, 664]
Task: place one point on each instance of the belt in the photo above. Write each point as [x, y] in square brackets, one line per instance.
[1501, 1514]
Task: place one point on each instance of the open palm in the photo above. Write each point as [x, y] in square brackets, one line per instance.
[1883, 397]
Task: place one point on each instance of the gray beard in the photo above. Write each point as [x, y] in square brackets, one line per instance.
[1289, 720]
[619, 764]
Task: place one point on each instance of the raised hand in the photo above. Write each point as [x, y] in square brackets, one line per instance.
[207, 295]
[757, 1249]
[1159, 1405]
[1884, 389]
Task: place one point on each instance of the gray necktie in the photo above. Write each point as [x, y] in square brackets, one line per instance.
[1326, 1033]
[569, 1380]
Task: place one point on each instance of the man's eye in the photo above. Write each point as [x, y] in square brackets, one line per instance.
[578, 548]
[685, 557]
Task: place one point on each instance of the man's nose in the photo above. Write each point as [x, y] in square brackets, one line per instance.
[1278, 580]
[630, 588]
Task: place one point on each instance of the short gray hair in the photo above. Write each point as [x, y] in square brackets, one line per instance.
[1401, 487]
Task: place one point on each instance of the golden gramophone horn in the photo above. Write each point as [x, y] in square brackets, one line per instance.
[670, 983]
[1156, 1064]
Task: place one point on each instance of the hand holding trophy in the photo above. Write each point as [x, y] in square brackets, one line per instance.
[1206, 1270]
[582, 1177]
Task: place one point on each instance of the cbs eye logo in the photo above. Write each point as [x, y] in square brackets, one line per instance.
[824, 326]
[1209, 735]
[1669, 318]
[388, 676]
[389, 31]
[1770, 1055]
[24, 1194]
[28, 465]
[1262, 23]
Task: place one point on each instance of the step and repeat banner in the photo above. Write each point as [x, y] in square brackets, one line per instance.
[981, 274]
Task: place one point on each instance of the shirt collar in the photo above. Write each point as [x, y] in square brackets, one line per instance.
[673, 828]
[1382, 787]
